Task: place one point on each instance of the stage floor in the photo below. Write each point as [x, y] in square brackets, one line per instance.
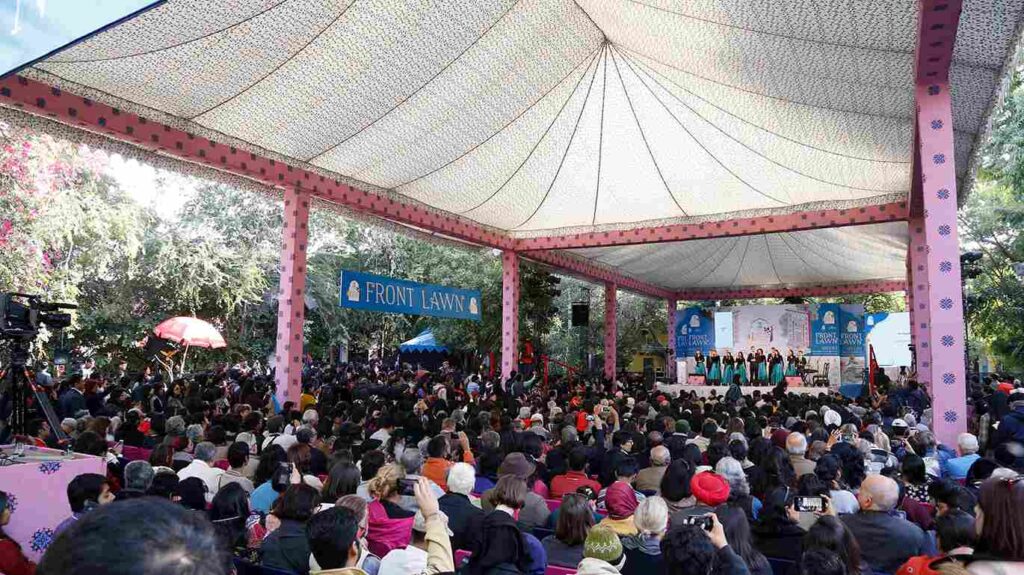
[705, 390]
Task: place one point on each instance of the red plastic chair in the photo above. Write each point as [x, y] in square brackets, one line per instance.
[556, 570]
[553, 504]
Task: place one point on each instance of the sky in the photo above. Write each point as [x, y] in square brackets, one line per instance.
[163, 191]
[30, 29]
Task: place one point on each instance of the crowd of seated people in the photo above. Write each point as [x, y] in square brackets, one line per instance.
[378, 472]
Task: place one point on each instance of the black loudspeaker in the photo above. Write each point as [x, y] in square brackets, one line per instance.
[580, 314]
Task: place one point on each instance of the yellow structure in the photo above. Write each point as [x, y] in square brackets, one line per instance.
[652, 358]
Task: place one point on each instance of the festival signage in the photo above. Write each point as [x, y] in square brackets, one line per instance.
[380, 293]
[851, 336]
[695, 331]
[824, 329]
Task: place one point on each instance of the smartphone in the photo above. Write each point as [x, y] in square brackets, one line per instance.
[809, 504]
[703, 521]
[281, 478]
[407, 487]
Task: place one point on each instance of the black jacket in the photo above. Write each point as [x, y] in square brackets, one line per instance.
[287, 548]
[460, 512]
[778, 540]
[495, 540]
[729, 563]
[886, 541]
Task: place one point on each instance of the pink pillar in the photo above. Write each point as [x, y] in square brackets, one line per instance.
[670, 361]
[291, 297]
[610, 335]
[945, 332]
[918, 289]
[509, 313]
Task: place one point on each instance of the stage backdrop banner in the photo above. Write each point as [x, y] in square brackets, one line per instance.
[695, 331]
[380, 293]
[766, 326]
[851, 349]
[824, 329]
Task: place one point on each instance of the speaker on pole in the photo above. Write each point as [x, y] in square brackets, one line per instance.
[580, 314]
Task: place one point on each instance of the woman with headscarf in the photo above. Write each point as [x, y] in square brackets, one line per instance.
[620, 500]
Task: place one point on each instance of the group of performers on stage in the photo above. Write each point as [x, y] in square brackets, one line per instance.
[754, 368]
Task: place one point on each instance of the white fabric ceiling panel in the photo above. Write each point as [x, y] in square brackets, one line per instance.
[555, 116]
[861, 253]
[490, 82]
[185, 61]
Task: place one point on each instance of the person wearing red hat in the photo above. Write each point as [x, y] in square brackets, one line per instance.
[710, 490]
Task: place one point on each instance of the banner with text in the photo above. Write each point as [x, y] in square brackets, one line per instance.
[852, 362]
[824, 329]
[695, 331]
[380, 293]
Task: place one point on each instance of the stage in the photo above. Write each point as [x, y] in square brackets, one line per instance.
[748, 390]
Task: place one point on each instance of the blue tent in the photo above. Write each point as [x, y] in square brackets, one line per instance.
[425, 341]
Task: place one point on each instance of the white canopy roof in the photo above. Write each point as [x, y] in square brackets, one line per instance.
[546, 116]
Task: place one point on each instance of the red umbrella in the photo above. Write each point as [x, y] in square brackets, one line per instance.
[191, 332]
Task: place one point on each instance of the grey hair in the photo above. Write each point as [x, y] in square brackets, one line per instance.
[490, 439]
[206, 451]
[195, 433]
[175, 425]
[569, 434]
[796, 443]
[461, 478]
[651, 516]
[412, 461]
[138, 475]
[310, 416]
[660, 456]
[732, 471]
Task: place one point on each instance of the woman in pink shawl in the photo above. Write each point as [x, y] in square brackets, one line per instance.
[389, 526]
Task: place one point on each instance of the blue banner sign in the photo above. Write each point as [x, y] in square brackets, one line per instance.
[851, 323]
[695, 331]
[380, 293]
[824, 329]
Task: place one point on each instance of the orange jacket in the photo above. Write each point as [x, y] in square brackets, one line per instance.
[436, 469]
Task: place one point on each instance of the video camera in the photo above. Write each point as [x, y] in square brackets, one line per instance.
[22, 314]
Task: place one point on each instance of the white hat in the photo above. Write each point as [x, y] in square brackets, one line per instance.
[899, 423]
[419, 523]
[537, 417]
[833, 418]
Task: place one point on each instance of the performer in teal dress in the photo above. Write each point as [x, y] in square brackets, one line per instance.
[762, 367]
[728, 368]
[714, 367]
[791, 364]
[698, 364]
[741, 368]
[775, 370]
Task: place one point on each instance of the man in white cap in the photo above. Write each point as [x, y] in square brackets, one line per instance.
[537, 426]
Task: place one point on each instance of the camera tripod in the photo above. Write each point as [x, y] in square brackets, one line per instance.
[16, 384]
